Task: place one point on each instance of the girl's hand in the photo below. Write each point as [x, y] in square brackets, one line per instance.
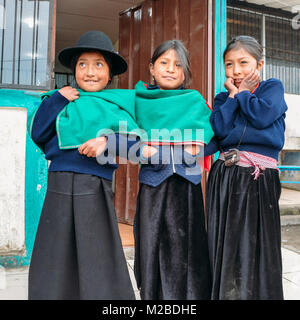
[93, 147]
[192, 149]
[69, 93]
[148, 152]
[249, 83]
[230, 87]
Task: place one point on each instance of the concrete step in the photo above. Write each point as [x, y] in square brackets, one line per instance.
[290, 220]
[289, 202]
[289, 205]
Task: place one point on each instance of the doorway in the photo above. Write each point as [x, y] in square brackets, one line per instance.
[136, 27]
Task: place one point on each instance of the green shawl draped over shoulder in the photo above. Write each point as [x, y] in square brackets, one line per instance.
[93, 114]
[172, 116]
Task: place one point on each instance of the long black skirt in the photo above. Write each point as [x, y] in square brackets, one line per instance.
[244, 233]
[171, 250]
[77, 251]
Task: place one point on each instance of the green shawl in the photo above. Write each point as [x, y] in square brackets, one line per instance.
[179, 116]
[93, 114]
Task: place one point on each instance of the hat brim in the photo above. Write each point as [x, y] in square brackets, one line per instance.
[118, 63]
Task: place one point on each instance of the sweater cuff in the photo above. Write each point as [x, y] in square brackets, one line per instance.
[231, 103]
[61, 101]
[243, 94]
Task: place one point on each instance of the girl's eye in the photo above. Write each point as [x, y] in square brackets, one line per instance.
[244, 62]
[81, 64]
[228, 64]
[99, 65]
[163, 62]
[178, 65]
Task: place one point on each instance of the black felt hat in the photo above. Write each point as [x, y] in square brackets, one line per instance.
[98, 41]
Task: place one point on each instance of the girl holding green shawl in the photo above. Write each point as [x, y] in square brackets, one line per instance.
[171, 251]
[78, 252]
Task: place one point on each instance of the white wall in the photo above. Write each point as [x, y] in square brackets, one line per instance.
[292, 131]
[12, 182]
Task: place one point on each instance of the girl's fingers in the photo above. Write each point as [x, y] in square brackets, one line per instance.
[82, 148]
[91, 154]
[90, 151]
[75, 94]
[255, 76]
[249, 76]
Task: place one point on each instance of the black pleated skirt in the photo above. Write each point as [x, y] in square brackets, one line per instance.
[244, 233]
[77, 251]
[171, 261]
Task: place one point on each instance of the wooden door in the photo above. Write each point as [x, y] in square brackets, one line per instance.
[141, 30]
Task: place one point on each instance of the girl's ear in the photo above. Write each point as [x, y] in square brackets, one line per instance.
[260, 64]
[151, 69]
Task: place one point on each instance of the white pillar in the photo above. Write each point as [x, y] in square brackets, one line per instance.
[12, 180]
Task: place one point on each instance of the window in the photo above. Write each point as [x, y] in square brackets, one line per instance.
[64, 79]
[280, 40]
[283, 53]
[24, 43]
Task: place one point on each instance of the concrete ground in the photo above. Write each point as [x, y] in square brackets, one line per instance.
[14, 282]
[290, 237]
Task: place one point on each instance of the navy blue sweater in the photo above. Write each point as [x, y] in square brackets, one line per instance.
[264, 110]
[168, 160]
[44, 133]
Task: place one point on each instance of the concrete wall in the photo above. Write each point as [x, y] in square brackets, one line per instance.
[292, 132]
[23, 178]
[12, 182]
[291, 151]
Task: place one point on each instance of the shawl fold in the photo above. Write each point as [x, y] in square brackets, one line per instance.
[172, 116]
[93, 114]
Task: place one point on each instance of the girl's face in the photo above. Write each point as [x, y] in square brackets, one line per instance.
[167, 71]
[239, 63]
[92, 71]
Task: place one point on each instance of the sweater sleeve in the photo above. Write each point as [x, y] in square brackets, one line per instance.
[127, 147]
[44, 128]
[264, 110]
[223, 114]
[212, 147]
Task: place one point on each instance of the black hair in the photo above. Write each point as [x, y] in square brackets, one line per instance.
[106, 58]
[249, 44]
[183, 56]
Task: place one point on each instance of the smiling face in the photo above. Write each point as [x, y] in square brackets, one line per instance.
[239, 63]
[92, 72]
[167, 71]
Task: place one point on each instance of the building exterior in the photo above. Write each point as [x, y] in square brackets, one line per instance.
[32, 32]
[278, 31]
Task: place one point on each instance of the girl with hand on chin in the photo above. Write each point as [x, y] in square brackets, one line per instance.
[243, 187]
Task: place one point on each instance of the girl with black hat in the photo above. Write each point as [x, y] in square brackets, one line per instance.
[78, 252]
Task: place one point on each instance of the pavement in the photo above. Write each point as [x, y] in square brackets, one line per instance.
[14, 282]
